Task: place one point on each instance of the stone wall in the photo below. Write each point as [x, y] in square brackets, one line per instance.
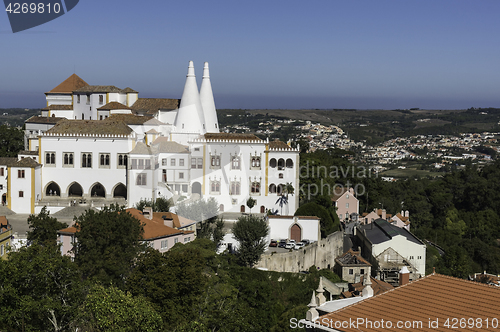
[321, 253]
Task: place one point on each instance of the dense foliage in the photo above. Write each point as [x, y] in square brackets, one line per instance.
[11, 141]
[458, 212]
[43, 227]
[251, 232]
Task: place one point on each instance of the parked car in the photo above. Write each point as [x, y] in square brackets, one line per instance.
[290, 245]
[306, 242]
[273, 243]
[298, 245]
[282, 244]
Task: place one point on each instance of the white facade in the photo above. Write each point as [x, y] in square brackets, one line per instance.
[280, 227]
[171, 153]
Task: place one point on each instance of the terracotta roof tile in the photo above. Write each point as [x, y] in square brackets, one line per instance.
[58, 108]
[7, 161]
[231, 137]
[152, 105]
[114, 105]
[69, 85]
[26, 162]
[279, 145]
[128, 90]
[90, 127]
[97, 89]
[44, 119]
[130, 119]
[155, 228]
[432, 297]
[351, 257]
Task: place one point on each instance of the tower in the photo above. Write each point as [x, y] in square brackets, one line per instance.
[208, 103]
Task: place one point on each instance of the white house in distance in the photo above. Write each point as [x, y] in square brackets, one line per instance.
[382, 237]
[96, 145]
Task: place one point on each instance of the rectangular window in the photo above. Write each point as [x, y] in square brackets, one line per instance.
[215, 161]
[20, 173]
[104, 160]
[200, 163]
[21, 194]
[164, 244]
[101, 99]
[362, 271]
[196, 149]
[346, 205]
[181, 175]
[141, 180]
[235, 162]
[164, 175]
[1, 186]
[181, 162]
[1, 250]
[86, 158]
[1, 171]
[122, 160]
[164, 162]
[176, 240]
[172, 162]
[148, 164]
[88, 99]
[186, 239]
[50, 158]
[141, 164]
[351, 271]
[78, 99]
[68, 159]
[134, 164]
[193, 162]
[184, 188]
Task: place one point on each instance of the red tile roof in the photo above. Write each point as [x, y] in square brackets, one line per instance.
[429, 298]
[74, 82]
[156, 228]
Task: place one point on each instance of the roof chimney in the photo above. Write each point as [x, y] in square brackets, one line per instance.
[368, 290]
[190, 115]
[404, 276]
[148, 212]
[208, 103]
[168, 221]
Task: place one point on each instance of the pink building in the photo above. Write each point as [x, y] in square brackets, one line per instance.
[346, 203]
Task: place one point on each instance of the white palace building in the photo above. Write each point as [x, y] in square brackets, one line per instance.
[99, 144]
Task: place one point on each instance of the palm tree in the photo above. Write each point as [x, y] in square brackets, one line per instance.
[283, 199]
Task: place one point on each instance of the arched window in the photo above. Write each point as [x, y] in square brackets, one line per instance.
[281, 164]
[272, 163]
[242, 208]
[289, 163]
[272, 188]
[84, 160]
[107, 160]
[279, 189]
[235, 162]
[262, 209]
[235, 188]
[255, 189]
[66, 159]
[221, 208]
[102, 159]
[120, 160]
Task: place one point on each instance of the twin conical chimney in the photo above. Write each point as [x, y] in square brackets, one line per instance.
[208, 103]
[190, 117]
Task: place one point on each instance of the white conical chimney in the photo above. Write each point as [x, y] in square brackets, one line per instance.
[208, 103]
[190, 115]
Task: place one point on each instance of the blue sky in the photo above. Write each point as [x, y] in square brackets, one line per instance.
[267, 54]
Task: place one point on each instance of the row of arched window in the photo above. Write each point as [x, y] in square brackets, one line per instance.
[281, 163]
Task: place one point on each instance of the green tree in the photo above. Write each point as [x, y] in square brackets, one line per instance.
[110, 309]
[11, 141]
[251, 203]
[312, 209]
[43, 227]
[161, 204]
[40, 290]
[251, 232]
[108, 241]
